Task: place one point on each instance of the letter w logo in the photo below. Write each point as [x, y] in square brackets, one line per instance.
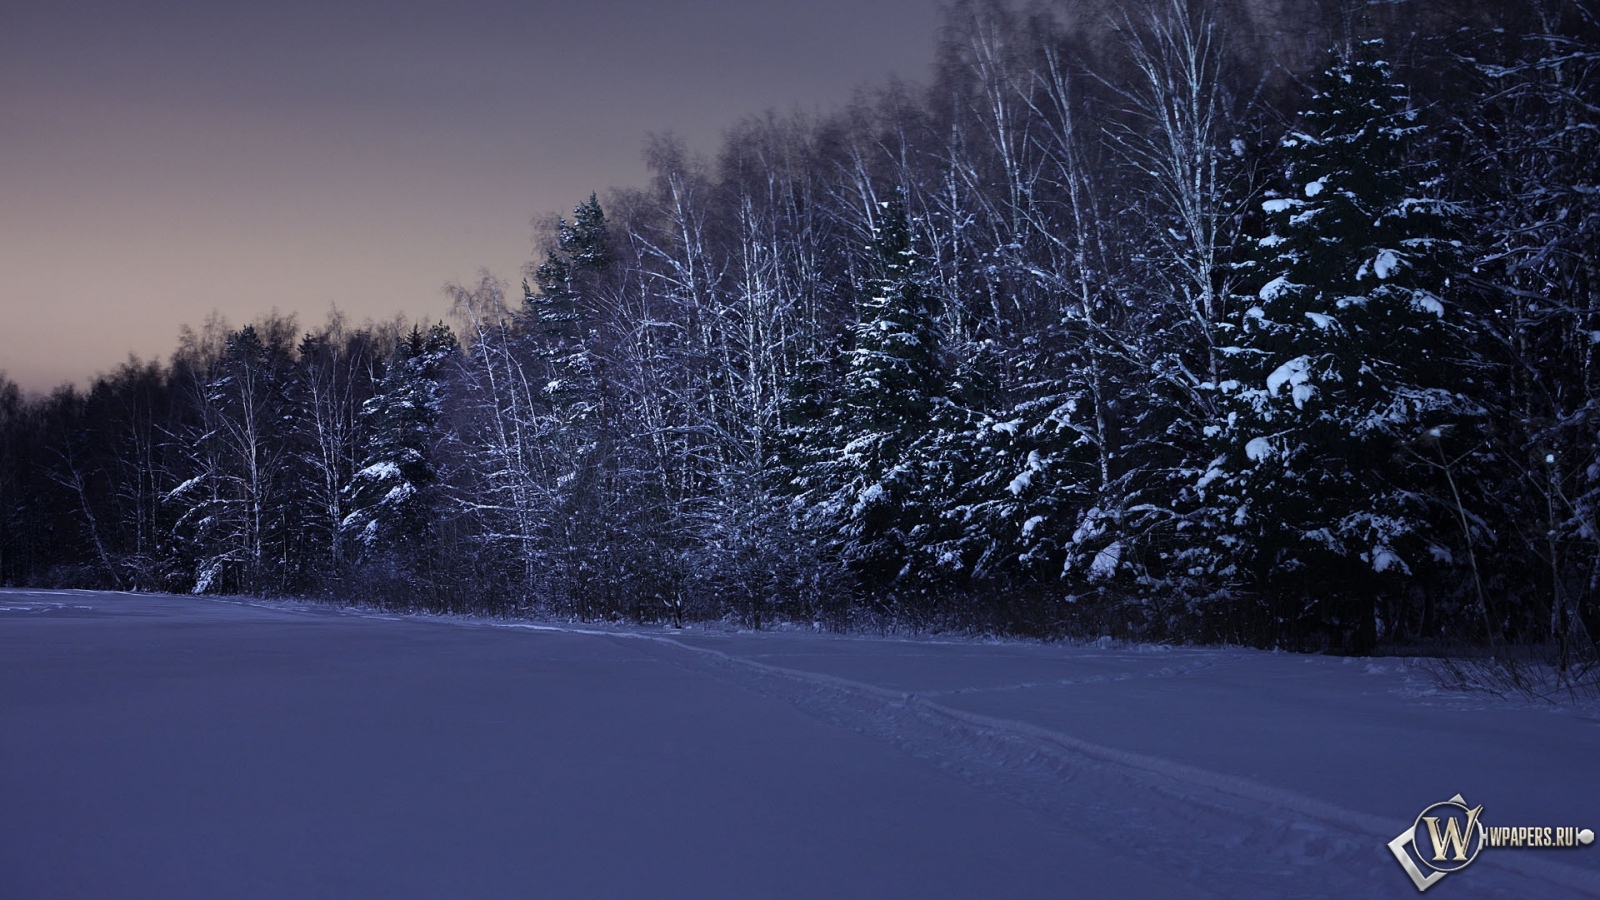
[1455, 837]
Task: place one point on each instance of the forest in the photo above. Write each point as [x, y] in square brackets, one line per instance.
[1268, 322]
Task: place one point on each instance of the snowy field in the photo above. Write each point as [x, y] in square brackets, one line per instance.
[173, 747]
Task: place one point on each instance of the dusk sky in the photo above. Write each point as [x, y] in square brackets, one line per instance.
[163, 160]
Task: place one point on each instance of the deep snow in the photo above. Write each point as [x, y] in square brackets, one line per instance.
[172, 747]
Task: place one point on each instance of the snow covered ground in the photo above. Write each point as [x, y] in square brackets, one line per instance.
[174, 747]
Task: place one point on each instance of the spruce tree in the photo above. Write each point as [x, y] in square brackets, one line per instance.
[872, 463]
[567, 440]
[561, 312]
[1344, 397]
[582, 246]
[893, 374]
[391, 497]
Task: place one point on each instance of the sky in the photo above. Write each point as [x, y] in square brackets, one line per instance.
[162, 161]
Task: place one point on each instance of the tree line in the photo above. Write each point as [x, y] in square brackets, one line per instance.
[1274, 324]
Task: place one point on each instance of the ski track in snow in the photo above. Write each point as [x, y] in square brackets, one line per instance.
[1260, 840]
[1164, 672]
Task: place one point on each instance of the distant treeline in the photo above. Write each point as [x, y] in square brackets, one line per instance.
[1273, 324]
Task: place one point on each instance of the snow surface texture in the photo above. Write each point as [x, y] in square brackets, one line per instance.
[180, 747]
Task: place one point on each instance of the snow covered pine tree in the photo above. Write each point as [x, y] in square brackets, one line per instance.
[1344, 399]
[866, 485]
[392, 509]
